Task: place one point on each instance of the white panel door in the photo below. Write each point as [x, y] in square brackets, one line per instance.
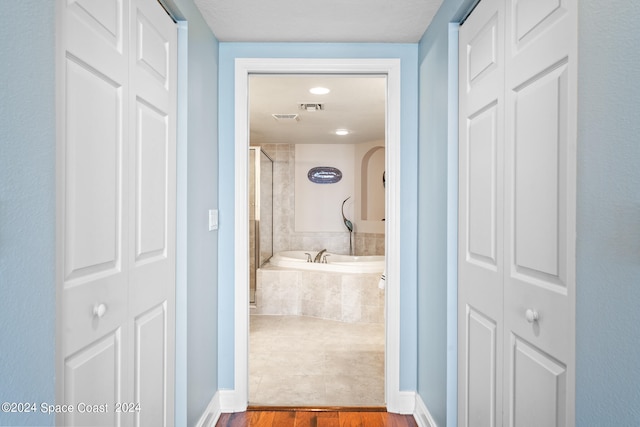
[517, 214]
[92, 201]
[480, 257]
[540, 179]
[152, 210]
[116, 196]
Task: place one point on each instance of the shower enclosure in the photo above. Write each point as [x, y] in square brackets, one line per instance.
[260, 214]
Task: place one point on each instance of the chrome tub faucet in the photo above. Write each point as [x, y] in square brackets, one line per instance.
[318, 257]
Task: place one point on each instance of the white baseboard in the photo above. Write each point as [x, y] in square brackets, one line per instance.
[402, 402]
[232, 401]
[225, 401]
[422, 415]
[211, 414]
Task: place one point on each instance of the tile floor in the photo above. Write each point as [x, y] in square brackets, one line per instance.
[305, 361]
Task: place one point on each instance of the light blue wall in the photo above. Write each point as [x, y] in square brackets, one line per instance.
[608, 233]
[197, 263]
[27, 208]
[608, 218]
[27, 214]
[409, 102]
[437, 205]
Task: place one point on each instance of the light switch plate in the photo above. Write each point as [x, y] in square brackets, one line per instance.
[213, 219]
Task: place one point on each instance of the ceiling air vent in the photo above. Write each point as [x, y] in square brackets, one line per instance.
[286, 118]
[311, 106]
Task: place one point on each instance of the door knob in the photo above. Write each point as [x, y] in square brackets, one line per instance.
[99, 310]
[531, 315]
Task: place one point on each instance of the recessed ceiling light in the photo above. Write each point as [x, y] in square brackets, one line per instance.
[342, 132]
[319, 90]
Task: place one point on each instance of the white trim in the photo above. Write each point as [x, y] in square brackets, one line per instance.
[60, 83]
[211, 414]
[182, 141]
[422, 415]
[231, 401]
[405, 403]
[452, 230]
[395, 399]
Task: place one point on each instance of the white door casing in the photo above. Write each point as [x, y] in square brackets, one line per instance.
[529, 342]
[237, 399]
[116, 212]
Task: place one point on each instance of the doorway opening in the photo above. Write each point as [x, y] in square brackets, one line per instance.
[316, 239]
[395, 400]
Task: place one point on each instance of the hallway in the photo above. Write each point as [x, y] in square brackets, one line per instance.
[608, 189]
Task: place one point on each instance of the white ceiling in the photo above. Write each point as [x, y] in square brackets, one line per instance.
[355, 103]
[383, 21]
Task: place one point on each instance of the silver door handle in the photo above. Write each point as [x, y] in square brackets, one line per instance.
[531, 315]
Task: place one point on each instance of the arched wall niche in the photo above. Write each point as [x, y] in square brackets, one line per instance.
[372, 206]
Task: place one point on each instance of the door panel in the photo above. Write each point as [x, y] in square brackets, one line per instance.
[103, 16]
[151, 178]
[540, 109]
[480, 246]
[100, 363]
[538, 387]
[540, 151]
[152, 273]
[93, 201]
[532, 17]
[152, 49]
[116, 197]
[482, 339]
[516, 263]
[482, 187]
[483, 51]
[93, 147]
[94, 32]
[150, 371]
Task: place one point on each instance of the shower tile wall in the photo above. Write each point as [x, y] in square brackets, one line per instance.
[285, 237]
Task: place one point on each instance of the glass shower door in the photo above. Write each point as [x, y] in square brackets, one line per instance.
[260, 214]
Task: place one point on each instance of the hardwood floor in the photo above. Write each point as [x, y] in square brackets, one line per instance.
[315, 418]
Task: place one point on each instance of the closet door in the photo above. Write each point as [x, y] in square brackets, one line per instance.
[480, 257]
[93, 202]
[517, 214]
[152, 219]
[115, 196]
[540, 142]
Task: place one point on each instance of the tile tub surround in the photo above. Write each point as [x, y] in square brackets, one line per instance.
[304, 361]
[345, 297]
[368, 243]
[285, 237]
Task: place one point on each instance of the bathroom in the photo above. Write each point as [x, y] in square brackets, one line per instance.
[317, 329]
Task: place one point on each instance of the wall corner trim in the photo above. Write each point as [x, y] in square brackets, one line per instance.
[422, 415]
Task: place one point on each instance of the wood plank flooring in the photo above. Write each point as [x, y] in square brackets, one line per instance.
[315, 418]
